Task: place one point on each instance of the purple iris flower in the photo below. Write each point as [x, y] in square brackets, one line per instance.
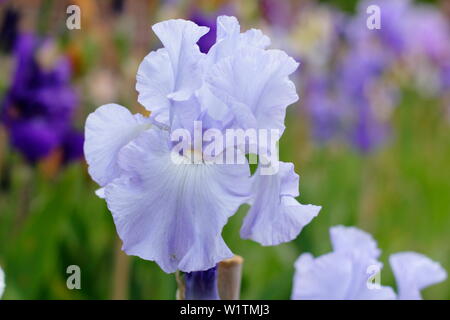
[38, 107]
[445, 75]
[431, 34]
[208, 19]
[360, 76]
[9, 30]
[344, 104]
[203, 19]
[351, 270]
[166, 207]
[394, 30]
[323, 107]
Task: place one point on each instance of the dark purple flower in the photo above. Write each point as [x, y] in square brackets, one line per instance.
[208, 19]
[35, 139]
[9, 30]
[117, 6]
[72, 145]
[202, 285]
[202, 19]
[39, 105]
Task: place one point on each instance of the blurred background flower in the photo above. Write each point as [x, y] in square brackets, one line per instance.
[39, 105]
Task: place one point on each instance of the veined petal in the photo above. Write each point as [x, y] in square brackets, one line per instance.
[107, 130]
[414, 272]
[255, 81]
[179, 38]
[255, 38]
[155, 81]
[276, 216]
[350, 239]
[174, 72]
[227, 26]
[171, 211]
[230, 40]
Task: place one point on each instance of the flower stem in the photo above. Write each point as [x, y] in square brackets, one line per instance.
[229, 278]
[221, 282]
[121, 274]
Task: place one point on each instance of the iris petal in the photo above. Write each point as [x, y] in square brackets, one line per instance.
[414, 272]
[276, 216]
[255, 82]
[171, 211]
[347, 239]
[107, 130]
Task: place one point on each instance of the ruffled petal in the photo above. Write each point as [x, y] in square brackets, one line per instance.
[327, 277]
[276, 216]
[351, 239]
[230, 39]
[336, 276]
[171, 211]
[174, 72]
[347, 273]
[362, 286]
[179, 38]
[254, 84]
[414, 272]
[107, 130]
[155, 81]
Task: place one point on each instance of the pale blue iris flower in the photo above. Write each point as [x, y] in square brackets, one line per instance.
[173, 212]
[351, 271]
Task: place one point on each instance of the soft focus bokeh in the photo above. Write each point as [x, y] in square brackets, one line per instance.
[370, 136]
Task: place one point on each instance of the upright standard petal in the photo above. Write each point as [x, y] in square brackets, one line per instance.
[348, 239]
[174, 72]
[107, 130]
[254, 84]
[276, 216]
[154, 82]
[414, 272]
[230, 40]
[169, 210]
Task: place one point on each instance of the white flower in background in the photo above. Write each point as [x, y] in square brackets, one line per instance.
[2, 282]
[347, 273]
